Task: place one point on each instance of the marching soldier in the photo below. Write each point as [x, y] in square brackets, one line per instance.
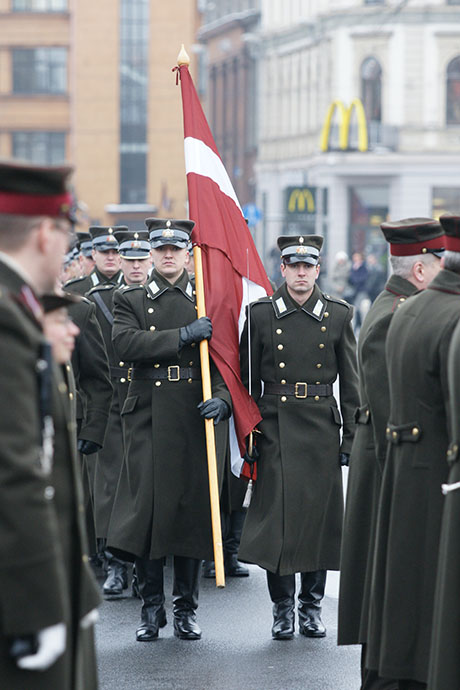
[416, 245]
[46, 587]
[410, 509]
[134, 249]
[162, 503]
[301, 340]
[106, 260]
[445, 661]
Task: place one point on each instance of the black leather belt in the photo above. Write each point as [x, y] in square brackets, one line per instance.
[299, 390]
[118, 372]
[172, 373]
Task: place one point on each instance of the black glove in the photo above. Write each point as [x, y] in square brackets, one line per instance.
[344, 459]
[214, 408]
[87, 447]
[198, 330]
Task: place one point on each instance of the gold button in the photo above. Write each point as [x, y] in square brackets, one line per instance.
[455, 448]
[317, 397]
[278, 331]
[122, 380]
[387, 429]
[85, 558]
[402, 299]
[323, 329]
[150, 310]
[415, 431]
[157, 383]
[71, 396]
[280, 347]
[190, 364]
[281, 365]
[121, 364]
[394, 434]
[326, 314]
[367, 413]
[193, 345]
[196, 308]
[321, 346]
[189, 380]
[283, 381]
[424, 250]
[62, 387]
[318, 383]
[67, 366]
[156, 366]
[194, 292]
[283, 398]
[318, 366]
[152, 328]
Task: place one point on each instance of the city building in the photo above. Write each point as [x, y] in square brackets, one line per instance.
[90, 83]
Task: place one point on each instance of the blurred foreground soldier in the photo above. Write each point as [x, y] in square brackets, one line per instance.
[106, 260]
[409, 517]
[416, 245]
[39, 609]
[134, 250]
[162, 503]
[85, 258]
[445, 659]
[301, 340]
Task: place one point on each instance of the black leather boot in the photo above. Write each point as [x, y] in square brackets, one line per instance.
[150, 584]
[282, 592]
[233, 568]
[134, 584]
[310, 597]
[185, 597]
[209, 569]
[117, 576]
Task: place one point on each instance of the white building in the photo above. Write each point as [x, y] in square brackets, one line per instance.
[401, 58]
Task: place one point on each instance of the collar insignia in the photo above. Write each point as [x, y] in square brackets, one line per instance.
[281, 305]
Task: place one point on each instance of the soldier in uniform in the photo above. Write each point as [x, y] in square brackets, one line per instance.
[162, 502]
[416, 246]
[106, 260]
[410, 508]
[135, 255]
[301, 340]
[445, 661]
[46, 587]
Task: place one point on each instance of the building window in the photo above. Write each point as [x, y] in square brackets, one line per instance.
[453, 92]
[446, 200]
[134, 46]
[371, 89]
[44, 148]
[40, 70]
[39, 5]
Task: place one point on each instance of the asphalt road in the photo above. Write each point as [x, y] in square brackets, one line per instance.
[236, 651]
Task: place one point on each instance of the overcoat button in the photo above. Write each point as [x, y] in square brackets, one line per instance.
[156, 366]
[280, 347]
[316, 397]
[281, 365]
[318, 366]
[326, 314]
[70, 396]
[122, 380]
[323, 329]
[121, 364]
[157, 383]
[321, 346]
[415, 431]
[283, 398]
[278, 331]
[283, 381]
[150, 310]
[152, 328]
[189, 380]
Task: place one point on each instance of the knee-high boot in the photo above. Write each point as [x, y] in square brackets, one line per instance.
[185, 597]
[150, 584]
[282, 593]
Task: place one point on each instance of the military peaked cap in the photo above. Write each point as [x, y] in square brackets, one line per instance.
[451, 226]
[84, 243]
[52, 301]
[104, 237]
[167, 231]
[412, 236]
[133, 245]
[32, 190]
[296, 248]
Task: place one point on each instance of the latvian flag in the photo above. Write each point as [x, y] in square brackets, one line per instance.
[232, 270]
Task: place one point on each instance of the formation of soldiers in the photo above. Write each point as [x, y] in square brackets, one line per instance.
[103, 458]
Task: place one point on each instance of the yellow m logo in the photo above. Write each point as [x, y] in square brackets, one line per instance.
[344, 125]
[299, 199]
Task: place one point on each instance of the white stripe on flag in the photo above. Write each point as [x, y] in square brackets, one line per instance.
[202, 160]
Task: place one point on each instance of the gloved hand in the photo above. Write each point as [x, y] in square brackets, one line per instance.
[198, 330]
[344, 459]
[39, 651]
[214, 408]
[87, 447]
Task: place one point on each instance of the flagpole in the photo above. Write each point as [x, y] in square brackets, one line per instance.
[183, 59]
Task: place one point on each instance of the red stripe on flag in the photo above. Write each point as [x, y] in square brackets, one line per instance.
[195, 124]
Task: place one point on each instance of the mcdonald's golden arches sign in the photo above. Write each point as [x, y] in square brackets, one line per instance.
[344, 115]
[300, 200]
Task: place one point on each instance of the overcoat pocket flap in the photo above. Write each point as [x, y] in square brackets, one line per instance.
[336, 416]
[362, 415]
[130, 404]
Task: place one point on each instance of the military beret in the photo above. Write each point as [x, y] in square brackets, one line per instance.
[133, 245]
[52, 301]
[104, 237]
[451, 227]
[412, 236]
[167, 231]
[296, 248]
[32, 190]
[84, 243]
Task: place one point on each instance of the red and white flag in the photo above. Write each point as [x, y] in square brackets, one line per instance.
[233, 272]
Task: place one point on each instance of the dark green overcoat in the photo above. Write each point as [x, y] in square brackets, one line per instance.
[445, 658]
[110, 458]
[366, 464]
[294, 521]
[80, 286]
[409, 516]
[162, 501]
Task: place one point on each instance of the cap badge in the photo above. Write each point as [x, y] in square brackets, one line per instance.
[135, 245]
[168, 233]
[301, 250]
[110, 231]
[136, 235]
[168, 223]
[300, 240]
[111, 238]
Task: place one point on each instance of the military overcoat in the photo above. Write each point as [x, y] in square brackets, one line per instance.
[294, 521]
[409, 516]
[162, 501]
[366, 464]
[444, 671]
[84, 284]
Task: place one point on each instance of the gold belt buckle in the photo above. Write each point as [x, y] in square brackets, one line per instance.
[296, 390]
[130, 371]
[174, 376]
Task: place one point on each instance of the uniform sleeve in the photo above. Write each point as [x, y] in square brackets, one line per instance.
[256, 354]
[132, 342]
[348, 381]
[32, 579]
[94, 379]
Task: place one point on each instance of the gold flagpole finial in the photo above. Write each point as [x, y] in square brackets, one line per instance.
[183, 58]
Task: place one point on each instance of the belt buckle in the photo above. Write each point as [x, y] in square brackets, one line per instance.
[174, 376]
[296, 390]
[128, 375]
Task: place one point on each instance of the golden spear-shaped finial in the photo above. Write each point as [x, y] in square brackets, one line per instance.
[183, 58]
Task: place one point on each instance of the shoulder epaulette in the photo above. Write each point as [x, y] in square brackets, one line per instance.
[86, 300]
[104, 286]
[127, 288]
[337, 300]
[262, 300]
[74, 280]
